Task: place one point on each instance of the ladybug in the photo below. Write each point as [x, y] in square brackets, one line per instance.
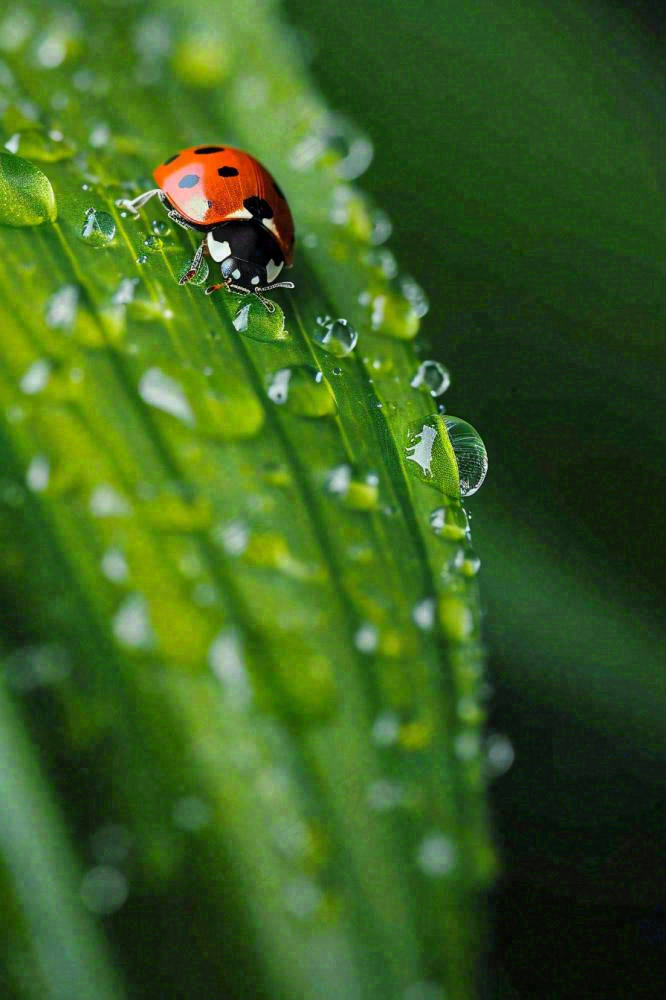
[243, 217]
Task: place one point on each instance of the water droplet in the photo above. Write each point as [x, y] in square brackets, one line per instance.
[26, 195]
[131, 624]
[99, 136]
[98, 229]
[15, 29]
[423, 613]
[382, 227]
[470, 453]
[393, 315]
[51, 51]
[36, 377]
[61, 308]
[366, 638]
[447, 453]
[469, 563]
[357, 494]
[164, 393]
[415, 295]
[35, 144]
[337, 336]
[114, 566]
[225, 658]
[233, 537]
[432, 378]
[302, 897]
[455, 617]
[500, 754]
[190, 813]
[38, 474]
[125, 292]
[450, 522]
[467, 744]
[160, 227]
[107, 502]
[436, 855]
[386, 729]
[104, 889]
[302, 390]
[253, 320]
[142, 258]
[384, 795]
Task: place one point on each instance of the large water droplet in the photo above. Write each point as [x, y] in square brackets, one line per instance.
[470, 453]
[447, 453]
[431, 377]
[98, 229]
[26, 195]
[253, 320]
[302, 390]
[337, 336]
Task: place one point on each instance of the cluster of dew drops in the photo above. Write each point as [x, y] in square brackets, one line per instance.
[299, 389]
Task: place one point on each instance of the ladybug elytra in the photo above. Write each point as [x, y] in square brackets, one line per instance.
[243, 216]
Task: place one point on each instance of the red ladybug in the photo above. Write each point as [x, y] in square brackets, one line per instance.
[244, 218]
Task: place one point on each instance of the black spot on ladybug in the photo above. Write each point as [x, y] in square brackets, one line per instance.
[227, 172]
[279, 191]
[188, 181]
[202, 150]
[171, 159]
[258, 207]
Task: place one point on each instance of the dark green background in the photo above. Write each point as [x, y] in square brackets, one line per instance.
[520, 149]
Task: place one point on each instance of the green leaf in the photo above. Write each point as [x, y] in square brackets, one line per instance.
[245, 645]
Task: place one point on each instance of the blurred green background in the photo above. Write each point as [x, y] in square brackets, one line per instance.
[519, 150]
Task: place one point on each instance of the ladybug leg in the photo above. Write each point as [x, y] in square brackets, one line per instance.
[178, 219]
[194, 266]
[132, 205]
[215, 288]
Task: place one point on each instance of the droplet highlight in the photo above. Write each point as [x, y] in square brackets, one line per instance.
[336, 336]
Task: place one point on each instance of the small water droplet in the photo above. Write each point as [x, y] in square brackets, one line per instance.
[160, 227]
[26, 195]
[153, 243]
[366, 638]
[15, 29]
[125, 292]
[500, 754]
[107, 502]
[393, 315]
[302, 390]
[61, 308]
[35, 144]
[104, 890]
[467, 744]
[164, 393]
[99, 136]
[233, 537]
[386, 729]
[114, 566]
[142, 258]
[51, 51]
[469, 563]
[337, 336]
[450, 522]
[225, 658]
[415, 295]
[432, 377]
[423, 613]
[99, 229]
[436, 855]
[36, 377]
[357, 494]
[131, 624]
[38, 474]
[254, 321]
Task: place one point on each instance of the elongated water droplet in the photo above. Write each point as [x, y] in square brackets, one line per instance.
[36, 377]
[61, 307]
[98, 229]
[470, 453]
[131, 624]
[26, 195]
[450, 522]
[254, 321]
[302, 390]
[164, 393]
[431, 377]
[337, 336]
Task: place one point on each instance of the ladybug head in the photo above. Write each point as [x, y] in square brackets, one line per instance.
[248, 254]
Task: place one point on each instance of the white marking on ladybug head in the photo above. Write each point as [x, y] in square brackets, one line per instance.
[255, 280]
[272, 271]
[196, 208]
[235, 274]
[219, 250]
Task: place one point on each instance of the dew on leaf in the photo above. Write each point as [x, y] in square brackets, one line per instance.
[38, 474]
[104, 890]
[336, 336]
[450, 522]
[436, 855]
[447, 453]
[467, 744]
[160, 227]
[35, 144]
[366, 638]
[61, 308]
[355, 493]
[500, 754]
[164, 393]
[114, 565]
[225, 658]
[253, 320]
[431, 377]
[131, 623]
[142, 258]
[423, 613]
[36, 377]
[302, 390]
[98, 228]
[470, 453]
[105, 501]
[153, 243]
[26, 195]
